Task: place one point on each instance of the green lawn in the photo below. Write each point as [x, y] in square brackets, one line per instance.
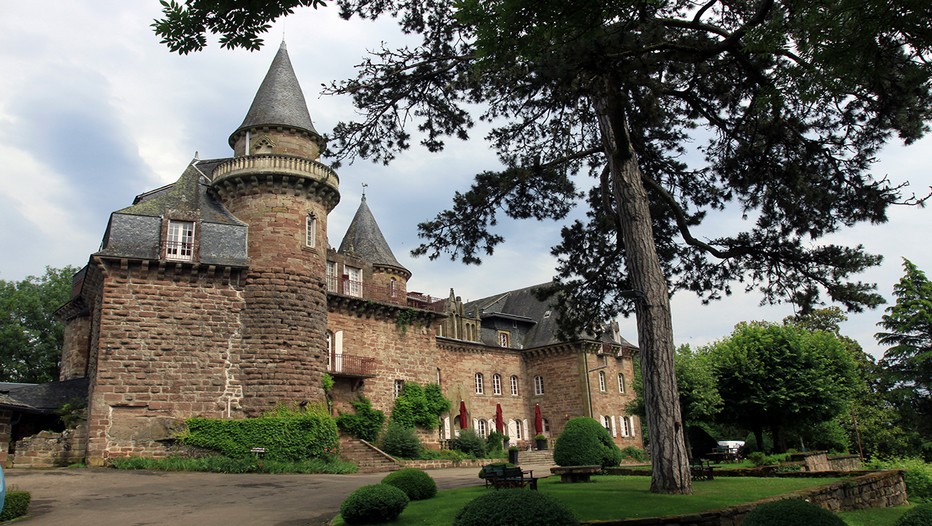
[873, 516]
[616, 497]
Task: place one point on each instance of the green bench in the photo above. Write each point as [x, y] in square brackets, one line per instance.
[504, 476]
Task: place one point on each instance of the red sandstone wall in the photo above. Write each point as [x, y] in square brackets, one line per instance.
[6, 431]
[564, 386]
[169, 347]
[77, 336]
[612, 403]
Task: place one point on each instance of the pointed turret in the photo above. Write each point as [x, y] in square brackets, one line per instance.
[364, 240]
[279, 107]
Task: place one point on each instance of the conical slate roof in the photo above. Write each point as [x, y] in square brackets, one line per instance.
[364, 239]
[279, 101]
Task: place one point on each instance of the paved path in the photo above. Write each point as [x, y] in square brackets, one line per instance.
[109, 497]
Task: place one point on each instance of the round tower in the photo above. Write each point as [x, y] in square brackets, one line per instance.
[276, 185]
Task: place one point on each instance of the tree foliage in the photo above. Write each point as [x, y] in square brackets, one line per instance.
[776, 377]
[418, 406]
[31, 336]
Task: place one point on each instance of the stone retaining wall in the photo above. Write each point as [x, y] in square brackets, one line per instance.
[879, 489]
[48, 449]
[444, 464]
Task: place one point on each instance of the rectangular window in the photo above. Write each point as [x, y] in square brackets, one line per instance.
[332, 277]
[497, 384]
[310, 231]
[518, 435]
[621, 383]
[180, 243]
[514, 386]
[602, 381]
[538, 385]
[624, 426]
[480, 384]
[504, 339]
[353, 282]
[399, 385]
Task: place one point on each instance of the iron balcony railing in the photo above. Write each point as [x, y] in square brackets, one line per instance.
[349, 365]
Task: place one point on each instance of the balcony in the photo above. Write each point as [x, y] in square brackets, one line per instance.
[349, 366]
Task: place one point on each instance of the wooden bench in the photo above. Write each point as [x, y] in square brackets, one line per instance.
[502, 476]
[575, 473]
[702, 470]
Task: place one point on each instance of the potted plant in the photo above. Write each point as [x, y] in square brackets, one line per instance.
[513, 455]
[505, 440]
[541, 442]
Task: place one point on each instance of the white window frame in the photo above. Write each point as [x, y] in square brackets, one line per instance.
[497, 384]
[353, 281]
[623, 420]
[399, 385]
[481, 428]
[538, 385]
[621, 382]
[179, 240]
[606, 423]
[504, 339]
[480, 384]
[631, 424]
[518, 435]
[602, 381]
[514, 385]
[332, 277]
[310, 231]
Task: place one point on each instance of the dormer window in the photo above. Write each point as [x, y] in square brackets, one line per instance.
[179, 244]
[504, 339]
[263, 145]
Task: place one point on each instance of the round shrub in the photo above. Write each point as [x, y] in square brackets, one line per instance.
[921, 515]
[373, 504]
[584, 442]
[469, 442]
[515, 507]
[401, 441]
[16, 504]
[792, 512]
[634, 454]
[416, 484]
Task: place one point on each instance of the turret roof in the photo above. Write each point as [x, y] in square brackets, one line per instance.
[364, 239]
[279, 101]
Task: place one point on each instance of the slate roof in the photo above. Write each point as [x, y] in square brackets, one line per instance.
[279, 101]
[523, 306]
[364, 240]
[41, 398]
[188, 194]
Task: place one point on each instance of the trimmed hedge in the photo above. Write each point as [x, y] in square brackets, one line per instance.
[515, 507]
[791, 512]
[401, 441]
[584, 442]
[286, 436]
[373, 504]
[16, 504]
[416, 483]
[921, 515]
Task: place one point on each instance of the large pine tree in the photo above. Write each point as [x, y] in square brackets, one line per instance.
[678, 109]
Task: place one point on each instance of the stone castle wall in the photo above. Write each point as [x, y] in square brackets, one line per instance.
[170, 347]
[48, 449]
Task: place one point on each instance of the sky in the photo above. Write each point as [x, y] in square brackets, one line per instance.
[94, 111]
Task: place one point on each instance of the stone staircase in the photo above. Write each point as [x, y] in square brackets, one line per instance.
[369, 458]
[536, 458]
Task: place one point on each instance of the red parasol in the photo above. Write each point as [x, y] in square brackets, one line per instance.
[464, 422]
[499, 421]
[538, 420]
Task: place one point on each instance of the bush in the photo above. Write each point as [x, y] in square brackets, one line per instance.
[373, 504]
[469, 442]
[921, 515]
[16, 504]
[416, 484]
[634, 453]
[584, 442]
[515, 507]
[917, 475]
[494, 442]
[401, 441]
[365, 423]
[443, 454]
[286, 435]
[418, 406]
[792, 512]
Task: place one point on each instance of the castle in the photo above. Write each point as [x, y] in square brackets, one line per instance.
[219, 296]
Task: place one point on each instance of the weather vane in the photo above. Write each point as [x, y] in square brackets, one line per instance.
[364, 185]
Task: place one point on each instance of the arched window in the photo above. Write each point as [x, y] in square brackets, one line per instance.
[518, 432]
[514, 385]
[538, 385]
[481, 428]
[602, 381]
[607, 423]
[480, 385]
[496, 384]
[621, 383]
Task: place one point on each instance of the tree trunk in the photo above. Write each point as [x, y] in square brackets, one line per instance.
[655, 327]
[759, 437]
